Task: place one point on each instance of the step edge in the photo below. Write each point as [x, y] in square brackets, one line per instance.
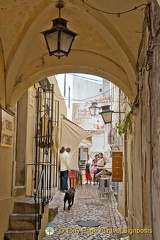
[20, 231]
[23, 215]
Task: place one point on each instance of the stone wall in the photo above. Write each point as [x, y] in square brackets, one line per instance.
[144, 164]
[154, 87]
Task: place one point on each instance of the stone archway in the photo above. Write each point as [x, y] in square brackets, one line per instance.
[99, 66]
[106, 46]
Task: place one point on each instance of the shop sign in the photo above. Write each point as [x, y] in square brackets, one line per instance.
[6, 129]
[117, 164]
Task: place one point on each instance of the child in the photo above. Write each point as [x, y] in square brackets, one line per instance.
[88, 175]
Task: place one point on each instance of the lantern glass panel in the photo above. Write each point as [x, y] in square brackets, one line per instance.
[52, 41]
[96, 111]
[107, 117]
[91, 111]
[66, 41]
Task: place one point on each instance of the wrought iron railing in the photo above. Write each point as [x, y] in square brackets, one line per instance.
[42, 196]
[46, 156]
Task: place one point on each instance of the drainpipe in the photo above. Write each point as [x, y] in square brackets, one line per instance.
[119, 105]
[151, 153]
[65, 85]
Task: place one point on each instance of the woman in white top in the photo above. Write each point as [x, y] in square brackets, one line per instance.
[101, 162]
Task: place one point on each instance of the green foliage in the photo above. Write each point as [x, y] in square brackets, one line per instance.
[125, 127]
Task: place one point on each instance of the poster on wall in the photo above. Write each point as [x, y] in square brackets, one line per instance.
[117, 164]
[31, 96]
[6, 129]
[82, 117]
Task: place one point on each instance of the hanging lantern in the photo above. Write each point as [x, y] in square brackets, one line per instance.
[94, 109]
[59, 38]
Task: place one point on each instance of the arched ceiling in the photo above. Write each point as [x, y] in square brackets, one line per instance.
[107, 45]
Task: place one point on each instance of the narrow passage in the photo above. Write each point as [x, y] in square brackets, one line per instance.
[89, 217]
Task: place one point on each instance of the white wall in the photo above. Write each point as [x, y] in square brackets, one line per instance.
[65, 82]
[84, 89]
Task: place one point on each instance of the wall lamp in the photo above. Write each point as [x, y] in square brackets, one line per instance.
[106, 114]
[59, 38]
[94, 109]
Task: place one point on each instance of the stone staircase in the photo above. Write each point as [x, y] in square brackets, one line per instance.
[22, 221]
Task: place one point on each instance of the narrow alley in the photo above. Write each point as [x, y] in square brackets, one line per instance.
[89, 217]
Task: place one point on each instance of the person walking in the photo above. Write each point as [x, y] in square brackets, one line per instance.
[62, 150]
[94, 167]
[88, 174]
[89, 159]
[72, 173]
[64, 167]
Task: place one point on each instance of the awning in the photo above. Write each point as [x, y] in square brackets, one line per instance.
[87, 141]
[71, 136]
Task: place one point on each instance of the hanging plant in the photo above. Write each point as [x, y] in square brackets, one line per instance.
[125, 127]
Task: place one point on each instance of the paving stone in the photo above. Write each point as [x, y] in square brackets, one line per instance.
[88, 207]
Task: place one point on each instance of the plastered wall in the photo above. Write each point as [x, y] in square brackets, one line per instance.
[6, 201]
